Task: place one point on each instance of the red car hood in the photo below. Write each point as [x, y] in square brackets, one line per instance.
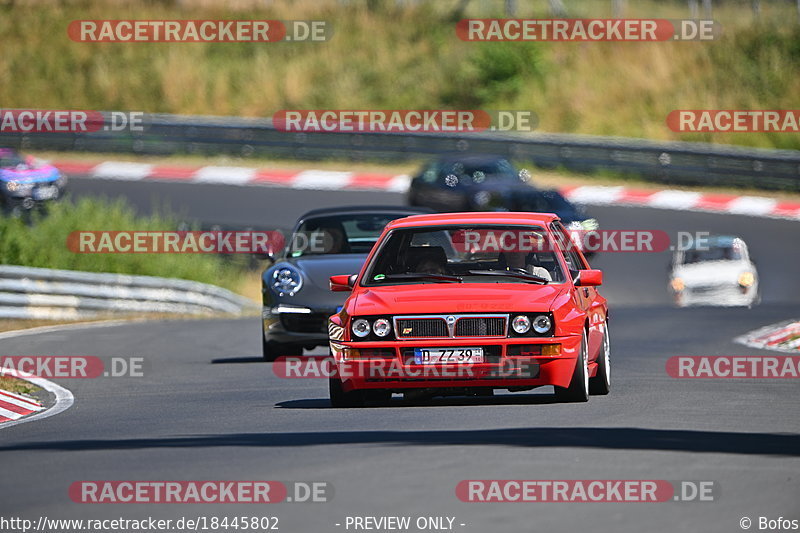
[461, 298]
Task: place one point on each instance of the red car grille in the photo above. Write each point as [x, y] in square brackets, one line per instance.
[436, 327]
[421, 327]
[481, 327]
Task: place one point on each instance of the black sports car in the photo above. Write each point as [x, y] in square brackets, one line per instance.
[488, 183]
[297, 300]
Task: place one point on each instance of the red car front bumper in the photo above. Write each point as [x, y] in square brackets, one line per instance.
[510, 363]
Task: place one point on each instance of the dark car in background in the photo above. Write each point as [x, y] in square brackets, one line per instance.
[296, 296]
[26, 183]
[489, 183]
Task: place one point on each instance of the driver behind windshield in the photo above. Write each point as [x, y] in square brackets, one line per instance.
[525, 261]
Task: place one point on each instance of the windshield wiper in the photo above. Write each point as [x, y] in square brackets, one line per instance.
[510, 273]
[444, 278]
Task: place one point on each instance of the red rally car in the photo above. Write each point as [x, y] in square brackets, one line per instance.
[466, 303]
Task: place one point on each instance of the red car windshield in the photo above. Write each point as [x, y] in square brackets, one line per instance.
[466, 254]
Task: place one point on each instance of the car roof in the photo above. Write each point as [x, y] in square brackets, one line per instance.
[365, 209]
[442, 219]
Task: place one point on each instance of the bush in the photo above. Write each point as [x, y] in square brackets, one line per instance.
[42, 242]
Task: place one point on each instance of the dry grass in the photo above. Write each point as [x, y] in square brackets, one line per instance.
[386, 56]
[17, 386]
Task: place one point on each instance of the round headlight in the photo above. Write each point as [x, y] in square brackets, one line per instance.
[542, 324]
[287, 280]
[521, 324]
[381, 327]
[677, 284]
[360, 328]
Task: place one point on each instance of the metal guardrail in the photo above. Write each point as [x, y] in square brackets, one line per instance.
[27, 292]
[664, 162]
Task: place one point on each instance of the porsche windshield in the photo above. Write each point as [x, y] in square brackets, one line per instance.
[466, 254]
[353, 233]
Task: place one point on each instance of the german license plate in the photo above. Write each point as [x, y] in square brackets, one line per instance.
[436, 356]
[45, 193]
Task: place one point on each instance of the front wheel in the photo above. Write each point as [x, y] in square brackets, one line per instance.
[600, 384]
[578, 388]
[270, 351]
[340, 398]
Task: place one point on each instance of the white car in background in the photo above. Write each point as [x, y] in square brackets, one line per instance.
[714, 271]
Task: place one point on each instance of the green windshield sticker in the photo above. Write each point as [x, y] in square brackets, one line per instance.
[379, 277]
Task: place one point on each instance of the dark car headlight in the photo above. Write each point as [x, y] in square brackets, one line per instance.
[531, 325]
[542, 324]
[382, 327]
[372, 328]
[521, 324]
[361, 328]
[286, 280]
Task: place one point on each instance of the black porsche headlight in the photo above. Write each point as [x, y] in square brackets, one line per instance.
[287, 280]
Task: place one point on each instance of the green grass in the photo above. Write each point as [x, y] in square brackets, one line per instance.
[385, 54]
[43, 243]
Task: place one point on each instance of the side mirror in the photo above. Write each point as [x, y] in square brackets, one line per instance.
[589, 278]
[343, 282]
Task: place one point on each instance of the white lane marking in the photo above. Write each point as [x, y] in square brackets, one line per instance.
[322, 179]
[20, 403]
[11, 415]
[752, 205]
[122, 171]
[225, 175]
[594, 195]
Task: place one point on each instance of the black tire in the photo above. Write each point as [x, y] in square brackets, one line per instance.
[378, 397]
[272, 350]
[578, 389]
[600, 384]
[340, 398]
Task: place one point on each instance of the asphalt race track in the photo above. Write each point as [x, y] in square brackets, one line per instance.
[209, 409]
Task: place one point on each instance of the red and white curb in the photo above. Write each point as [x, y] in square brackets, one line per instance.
[782, 337]
[757, 206]
[17, 409]
[15, 406]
